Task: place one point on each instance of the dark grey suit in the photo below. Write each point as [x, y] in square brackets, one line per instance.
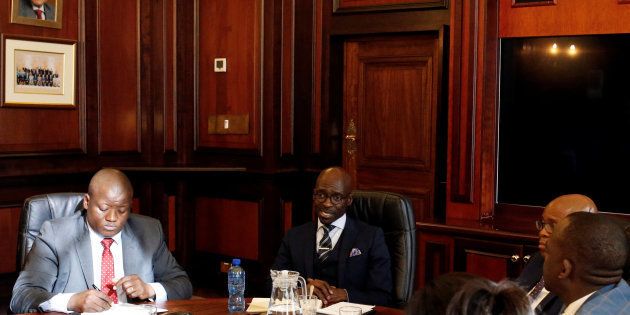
[61, 261]
[26, 10]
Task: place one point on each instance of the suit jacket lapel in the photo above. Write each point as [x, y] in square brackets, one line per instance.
[132, 257]
[83, 248]
[349, 235]
[309, 250]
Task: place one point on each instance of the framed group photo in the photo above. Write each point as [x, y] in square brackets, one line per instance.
[45, 13]
[38, 73]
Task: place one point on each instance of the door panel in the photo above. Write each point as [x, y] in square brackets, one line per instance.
[390, 110]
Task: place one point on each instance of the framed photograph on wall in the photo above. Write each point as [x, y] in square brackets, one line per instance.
[38, 73]
[531, 3]
[341, 6]
[46, 13]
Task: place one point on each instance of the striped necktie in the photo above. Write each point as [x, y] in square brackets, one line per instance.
[533, 294]
[325, 244]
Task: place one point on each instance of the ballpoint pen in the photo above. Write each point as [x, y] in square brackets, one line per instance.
[95, 287]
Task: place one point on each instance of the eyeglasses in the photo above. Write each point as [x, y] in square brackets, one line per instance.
[335, 198]
[540, 224]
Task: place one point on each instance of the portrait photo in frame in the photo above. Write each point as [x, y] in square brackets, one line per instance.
[45, 13]
[531, 3]
[38, 73]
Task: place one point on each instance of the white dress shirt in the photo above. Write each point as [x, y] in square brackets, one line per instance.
[59, 302]
[572, 308]
[335, 231]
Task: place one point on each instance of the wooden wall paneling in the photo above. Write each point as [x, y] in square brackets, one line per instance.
[574, 17]
[490, 259]
[287, 97]
[169, 51]
[392, 22]
[472, 107]
[319, 40]
[228, 227]
[37, 131]
[362, 5]
[9, 223]
[118, 76]
[172, 223]
[435, 256]
[231, 30]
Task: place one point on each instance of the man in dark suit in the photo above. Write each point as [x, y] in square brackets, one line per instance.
[342, 258]
[544, 302]
[584, 263]
[105, 246]
[37, 9]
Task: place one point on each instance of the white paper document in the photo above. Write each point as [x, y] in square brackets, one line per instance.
[258, 305]
[334, 309]
[125, 308]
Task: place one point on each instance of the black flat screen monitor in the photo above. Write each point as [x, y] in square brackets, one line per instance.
[564, 120]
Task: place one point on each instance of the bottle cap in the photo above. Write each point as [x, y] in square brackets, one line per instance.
[236, 262]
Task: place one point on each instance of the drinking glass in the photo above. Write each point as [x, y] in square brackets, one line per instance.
[310, 304]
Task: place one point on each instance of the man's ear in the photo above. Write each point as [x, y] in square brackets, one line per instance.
[86, 200]
[567, 269]
[348, 200]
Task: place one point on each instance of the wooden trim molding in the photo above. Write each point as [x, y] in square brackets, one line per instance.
[342, 6]
[533, 3]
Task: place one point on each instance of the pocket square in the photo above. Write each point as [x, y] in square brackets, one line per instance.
[355, 252]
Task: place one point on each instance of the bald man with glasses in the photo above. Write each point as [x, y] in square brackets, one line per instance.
[343, 259]
[544, 302]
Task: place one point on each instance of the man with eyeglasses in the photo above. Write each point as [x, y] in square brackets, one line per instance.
[544, 302]
[343, 259]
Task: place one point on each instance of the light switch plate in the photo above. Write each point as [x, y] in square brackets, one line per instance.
[220, 64]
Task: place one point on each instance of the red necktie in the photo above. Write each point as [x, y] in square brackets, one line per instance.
[40, 14]
[107, 270]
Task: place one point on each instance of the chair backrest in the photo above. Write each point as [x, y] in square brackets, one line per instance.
[394, 214]
[38, 209]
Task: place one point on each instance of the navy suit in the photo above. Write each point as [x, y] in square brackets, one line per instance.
[366, 277]
[531, 274]
[61, 261]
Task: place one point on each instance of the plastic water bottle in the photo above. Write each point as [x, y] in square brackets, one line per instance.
[236, 287]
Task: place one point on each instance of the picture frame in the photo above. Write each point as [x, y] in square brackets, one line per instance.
[38, 72]
[22, 12]
[532, 3]
[343, 6]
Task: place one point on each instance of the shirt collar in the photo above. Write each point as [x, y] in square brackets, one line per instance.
[38, 7]
[339, 223]
[572, 308]
[98, 237]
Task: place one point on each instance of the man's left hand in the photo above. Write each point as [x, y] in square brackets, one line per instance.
[135, 288]
[338, 295]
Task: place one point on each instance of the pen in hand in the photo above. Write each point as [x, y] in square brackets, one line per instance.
[95, 287]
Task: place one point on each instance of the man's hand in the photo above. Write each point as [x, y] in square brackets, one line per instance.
[89, 301]
[326, 293]
[134, 287]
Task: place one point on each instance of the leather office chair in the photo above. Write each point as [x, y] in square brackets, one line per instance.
[394, 214]
[38, 209]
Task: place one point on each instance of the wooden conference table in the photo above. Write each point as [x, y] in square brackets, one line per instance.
[218, 306]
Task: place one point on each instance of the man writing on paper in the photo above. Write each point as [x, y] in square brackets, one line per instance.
[95, 247]
[343, 259]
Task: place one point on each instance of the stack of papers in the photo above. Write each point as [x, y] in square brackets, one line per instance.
[258, 306]
[334, 309]
[125, 308]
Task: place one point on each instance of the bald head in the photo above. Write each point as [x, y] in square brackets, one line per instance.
[338, 175]
[558, 209]
[110, 178]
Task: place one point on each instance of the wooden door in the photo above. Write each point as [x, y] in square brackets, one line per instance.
[390, 112]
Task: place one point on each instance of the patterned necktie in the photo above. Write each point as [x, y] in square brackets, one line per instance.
[533, 294]
[40, 14]
[107, 270]
[325, 244]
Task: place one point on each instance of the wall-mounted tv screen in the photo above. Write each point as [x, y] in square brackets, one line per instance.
[564, 120]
